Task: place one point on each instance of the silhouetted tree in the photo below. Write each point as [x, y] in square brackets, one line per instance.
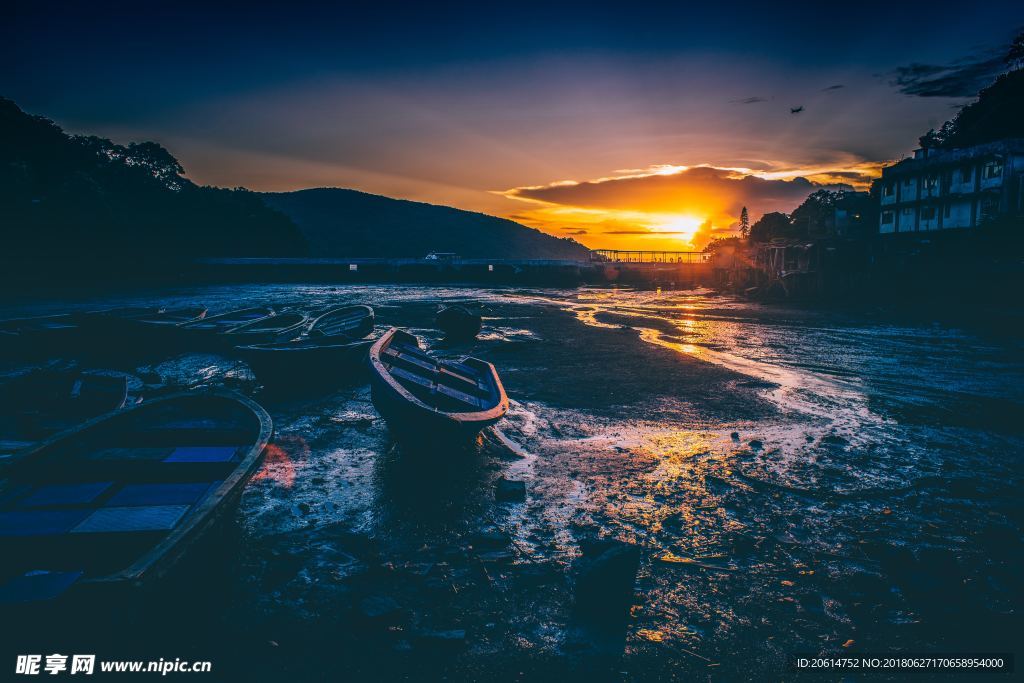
[85, 196]
[770, 226]
[744, 222]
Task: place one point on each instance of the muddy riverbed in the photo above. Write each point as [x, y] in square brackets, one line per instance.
[798, 482]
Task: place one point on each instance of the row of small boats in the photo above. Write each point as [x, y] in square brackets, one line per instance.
[117, 500]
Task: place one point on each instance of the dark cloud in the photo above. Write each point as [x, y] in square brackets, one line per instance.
[698, 186]
[750, 100]
[962, 78]
[838, 86]
[573, 231]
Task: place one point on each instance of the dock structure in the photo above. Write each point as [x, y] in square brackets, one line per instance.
[639, 256]
[668, 269]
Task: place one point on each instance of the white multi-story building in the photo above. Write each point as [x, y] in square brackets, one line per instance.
[949, 189]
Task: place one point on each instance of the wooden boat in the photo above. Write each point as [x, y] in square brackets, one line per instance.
[329, 353]
[206, 331]
[41, 336]
[281, 327]
[352, 322]
[116, 502]
[41, 402]
[458, 322]
[420, 395]
[163, 318]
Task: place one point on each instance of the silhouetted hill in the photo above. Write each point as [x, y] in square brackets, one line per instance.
[337, 222]
[83, 196]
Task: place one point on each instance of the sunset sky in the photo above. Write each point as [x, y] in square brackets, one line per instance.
[628, 125]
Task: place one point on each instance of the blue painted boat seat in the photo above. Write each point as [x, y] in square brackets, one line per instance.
[409, 360]
[405, 376]
[137, 454]
[456, 395]
[202, 454]
[35, 586]
[26, 523]
[131, 519]
[65, 494]
[160, 494]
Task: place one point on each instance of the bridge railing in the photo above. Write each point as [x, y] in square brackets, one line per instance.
[638, 256]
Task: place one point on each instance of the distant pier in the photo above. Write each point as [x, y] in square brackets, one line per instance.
[648, 268]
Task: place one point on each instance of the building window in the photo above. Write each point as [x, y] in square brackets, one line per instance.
[887, 217]
[927, 213]
[887, 190]
[931, 182]
[947, 211]
[965, 174]
[993, 169]
[908, 211]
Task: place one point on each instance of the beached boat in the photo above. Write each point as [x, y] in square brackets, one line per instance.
[116, 502]
[207, 330]
[39, 337]
[41, 402]
[420, 395]
[136, 331]
[281, 327]
[458, 322]
[352, 322]
[330, 352]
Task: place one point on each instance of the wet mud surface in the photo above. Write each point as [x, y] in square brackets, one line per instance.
[796, 481]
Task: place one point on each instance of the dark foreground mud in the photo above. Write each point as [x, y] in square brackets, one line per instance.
[795, 482]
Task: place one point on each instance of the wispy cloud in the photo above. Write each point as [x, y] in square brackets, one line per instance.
[961, 78]
[830, 88]
[749, 100]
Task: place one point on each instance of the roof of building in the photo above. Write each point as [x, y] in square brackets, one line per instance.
[942, 157]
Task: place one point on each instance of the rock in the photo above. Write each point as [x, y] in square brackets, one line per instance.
[305, 508]
[755, 444]
[489, 537]
[735, 436]
[452, 639]
[509, 491]
[495, 557]
[605, 583]
[380, 609]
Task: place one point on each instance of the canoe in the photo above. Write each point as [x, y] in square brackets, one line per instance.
[281, 327]
[39, 403]
[312, 361]
[329, 353]
[213, 324]
[458, 322]
[40, 337]
[115, 503]
[354, 322]
[422, 396]
[139, 332]
[206, 332]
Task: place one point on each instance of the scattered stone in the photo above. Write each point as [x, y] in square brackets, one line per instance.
[834, 440]
[735, 436]
[305, 508]
[510, 491]
[756, 444]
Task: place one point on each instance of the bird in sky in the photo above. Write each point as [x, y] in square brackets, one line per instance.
[796, 110]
